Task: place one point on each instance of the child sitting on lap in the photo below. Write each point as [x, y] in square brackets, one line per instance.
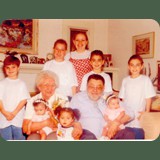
[41, 113]
[113, 112]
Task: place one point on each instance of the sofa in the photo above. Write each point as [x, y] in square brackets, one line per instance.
[150, 122]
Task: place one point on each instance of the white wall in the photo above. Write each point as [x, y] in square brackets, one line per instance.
[120, 42]
[52, 29]
[112, 36]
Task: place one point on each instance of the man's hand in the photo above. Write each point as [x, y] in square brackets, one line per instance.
[113, 128]
[77, 131]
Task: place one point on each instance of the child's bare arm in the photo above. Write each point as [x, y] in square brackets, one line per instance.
[19, 107]
[148, 104]
[106, 118]
[9, 116]
[121, 115]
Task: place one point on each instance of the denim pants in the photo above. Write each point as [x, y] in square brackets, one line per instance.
[139, 132]
[12, 133]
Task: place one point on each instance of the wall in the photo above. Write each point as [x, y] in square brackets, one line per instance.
[120, 42]
[112, 36]
[52, 29]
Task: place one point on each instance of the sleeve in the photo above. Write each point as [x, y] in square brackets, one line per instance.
[122, 90]
[108, 83]
[29, 109]
[150, 91]
[74, 102]
[84, 83]
[74, 77]
[1, 91]
[24, 92]
[46, 66]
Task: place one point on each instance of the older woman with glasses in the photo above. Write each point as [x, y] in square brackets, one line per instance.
[46, 82]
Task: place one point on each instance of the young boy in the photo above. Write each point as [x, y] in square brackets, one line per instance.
[137, 91]
[97, 62]
[64, 69]
[13, 97]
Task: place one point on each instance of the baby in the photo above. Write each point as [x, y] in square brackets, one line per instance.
[41, 113]
[66, 118]
[113, 112]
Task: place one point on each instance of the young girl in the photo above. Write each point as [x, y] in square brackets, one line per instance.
[66, 117]
[80, 57]
[137, 91]
[64, 69]
[13, 98]
[113, 112]
[41, 113]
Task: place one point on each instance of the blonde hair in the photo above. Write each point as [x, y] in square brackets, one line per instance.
[46, 74]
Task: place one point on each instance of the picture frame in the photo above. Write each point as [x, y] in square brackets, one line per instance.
[143, 45]
[107, 60]
[19, 35]
[158, 76]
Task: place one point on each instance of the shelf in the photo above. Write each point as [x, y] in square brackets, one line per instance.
[28, 68]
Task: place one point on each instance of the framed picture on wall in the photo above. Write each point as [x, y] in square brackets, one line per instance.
[158, 76]
[107, 60]
[20, 35]
[143, 45]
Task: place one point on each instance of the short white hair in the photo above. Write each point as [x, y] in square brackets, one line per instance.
[41, 76]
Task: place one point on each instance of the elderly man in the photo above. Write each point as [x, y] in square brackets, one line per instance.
[91, 106]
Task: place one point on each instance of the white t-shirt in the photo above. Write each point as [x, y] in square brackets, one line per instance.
[12, 92]
[30, 108]
[108, 86]
[134, 92]
[66, 73]
[64, 133]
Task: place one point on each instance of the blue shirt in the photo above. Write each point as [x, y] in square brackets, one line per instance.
[91, 117]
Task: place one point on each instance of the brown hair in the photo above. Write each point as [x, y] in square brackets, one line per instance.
[96, 77]
[40, 101]
[97, 53]
[83, 33]
[60, 41]
[136, 56]
[75, 114]
[11, 60]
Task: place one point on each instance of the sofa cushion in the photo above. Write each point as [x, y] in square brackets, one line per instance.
[150, 122]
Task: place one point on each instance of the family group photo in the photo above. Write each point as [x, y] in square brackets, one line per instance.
[79, 80]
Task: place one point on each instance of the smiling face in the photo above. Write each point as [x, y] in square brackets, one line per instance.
[47, 87]
[97, 62]
[59, 52]
[135, 66]
[80, 42]
[95, 89]
[11, 71]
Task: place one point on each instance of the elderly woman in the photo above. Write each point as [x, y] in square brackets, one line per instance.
[46, 83]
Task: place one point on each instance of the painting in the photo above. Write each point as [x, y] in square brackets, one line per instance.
[143, 45]
[158, 76]
[20, 35]
[107, 60]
